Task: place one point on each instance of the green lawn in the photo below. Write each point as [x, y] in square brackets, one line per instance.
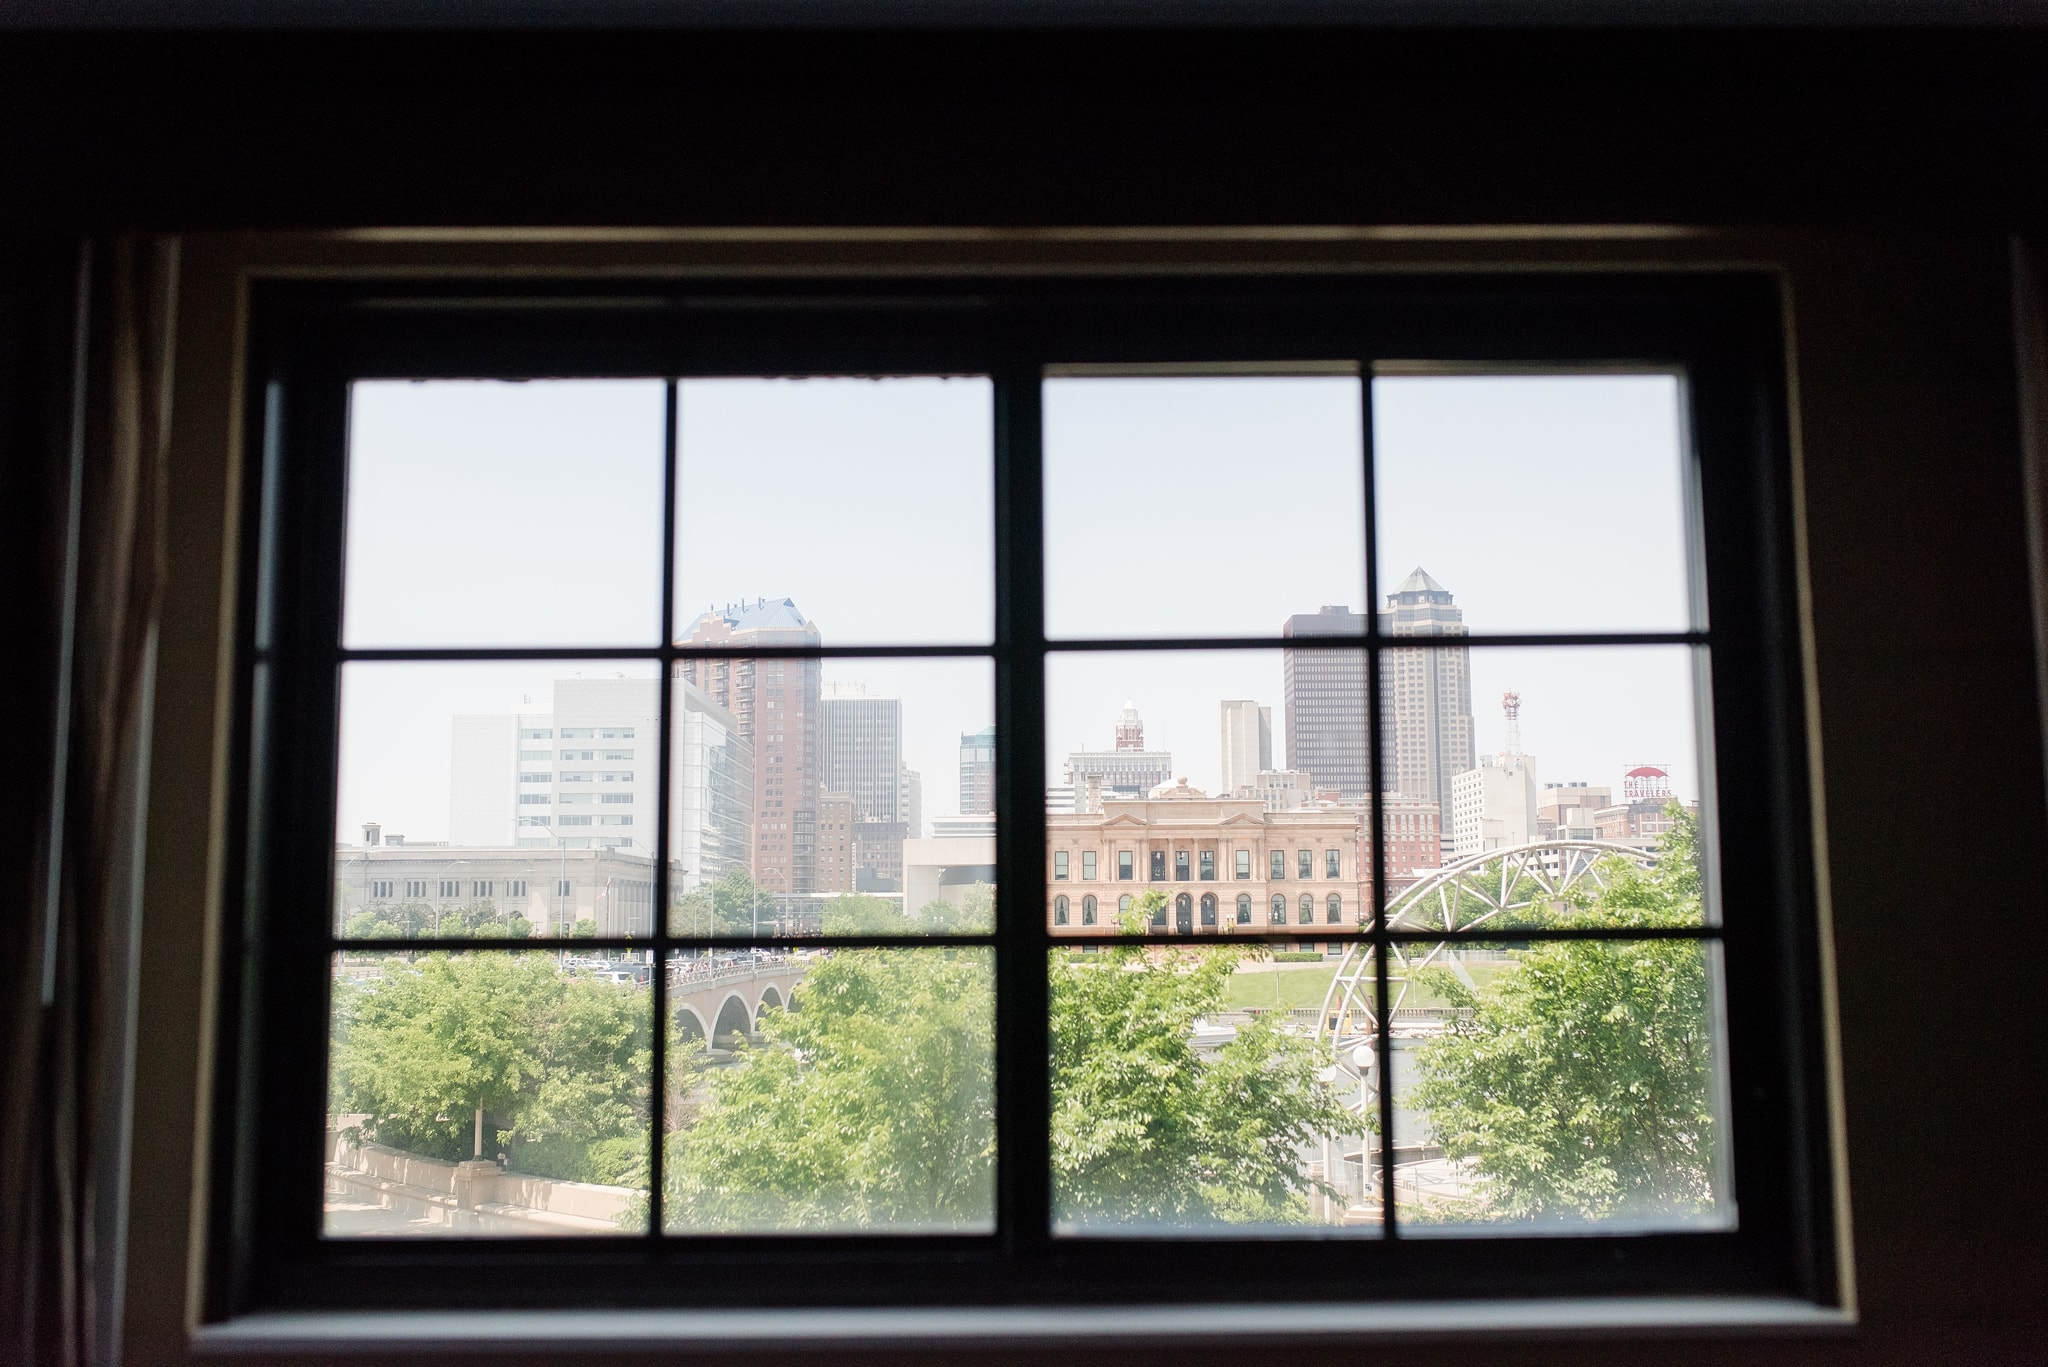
[1280, 985]
[1292, 985]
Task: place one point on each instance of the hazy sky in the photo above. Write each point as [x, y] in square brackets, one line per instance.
[497, 514]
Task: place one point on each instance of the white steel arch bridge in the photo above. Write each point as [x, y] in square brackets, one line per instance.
[1474, 893]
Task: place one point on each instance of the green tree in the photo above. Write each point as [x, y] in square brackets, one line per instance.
[370, 925]
[555, 1063]
[733, 905]
[850, 915]
[1582, 1088]
[871, 1106]
[974, 914]
[1147, 1131]
[584, 929]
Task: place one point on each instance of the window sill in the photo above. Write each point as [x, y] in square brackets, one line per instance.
[603, 1331]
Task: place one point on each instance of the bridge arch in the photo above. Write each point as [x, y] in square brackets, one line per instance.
[1464, 895]
[769, 997]
[690, 1025]
[733, 1019]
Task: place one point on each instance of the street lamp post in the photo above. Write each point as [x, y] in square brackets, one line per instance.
[440, 909]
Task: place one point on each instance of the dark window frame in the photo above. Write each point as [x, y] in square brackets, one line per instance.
[1722, 331]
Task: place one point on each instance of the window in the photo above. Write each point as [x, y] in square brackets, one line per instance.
[1401, 672]
[1087, 866]
[532, 800]
[380, 889]
[515, 887]
[538, 778]
[480, 888]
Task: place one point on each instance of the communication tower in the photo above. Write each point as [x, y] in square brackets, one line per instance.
[1511, 703]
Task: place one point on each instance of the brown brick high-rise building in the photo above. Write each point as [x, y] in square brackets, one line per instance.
[778, 706]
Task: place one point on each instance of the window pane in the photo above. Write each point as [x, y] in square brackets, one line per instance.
[1216, 506]
[488, 1094]
[831, 1092]
[1522, 781]
[1191, 1096]
[497, 801]
[1559, 1086]
[1165, 767]
[846, 796]
[862, 508]
[1545, 503]
[482, 513]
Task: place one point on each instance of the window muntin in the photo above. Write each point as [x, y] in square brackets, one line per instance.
[1364, 872]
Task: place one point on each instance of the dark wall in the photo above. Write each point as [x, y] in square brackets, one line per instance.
[1023, 128]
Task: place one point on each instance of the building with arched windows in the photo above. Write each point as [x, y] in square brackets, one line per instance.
[1224, 864]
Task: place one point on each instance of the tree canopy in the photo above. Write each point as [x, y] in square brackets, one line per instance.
[1144, 1129]
[558, 1062]
[1582, 1089]
[870, 1106]
[733, 905]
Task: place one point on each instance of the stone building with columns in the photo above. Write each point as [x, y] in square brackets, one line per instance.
[1226, 864]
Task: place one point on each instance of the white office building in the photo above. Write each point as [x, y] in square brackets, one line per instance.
[1494, 805]
[1247, 742]
[585, 776]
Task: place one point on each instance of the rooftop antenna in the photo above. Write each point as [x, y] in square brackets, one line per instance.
[1511, 703]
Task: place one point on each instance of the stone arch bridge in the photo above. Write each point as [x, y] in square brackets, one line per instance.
[717, 1000]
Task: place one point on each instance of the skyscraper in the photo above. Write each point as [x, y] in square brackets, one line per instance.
[863, 758]
[776, 703]
[1425, 698]
[1247, 742]
[978, 773]
[1425, 695]
[1323, 703]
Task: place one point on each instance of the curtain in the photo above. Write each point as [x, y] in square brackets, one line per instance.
[85, 354]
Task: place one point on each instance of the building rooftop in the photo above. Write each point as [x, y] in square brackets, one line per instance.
[761, 613]
[1419, 581]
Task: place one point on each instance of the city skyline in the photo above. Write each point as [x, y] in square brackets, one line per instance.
[1541, 502]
